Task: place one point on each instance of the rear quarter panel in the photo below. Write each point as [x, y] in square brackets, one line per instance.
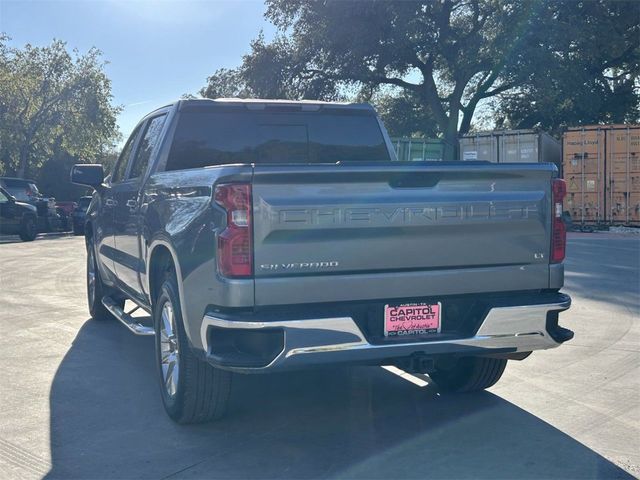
[178, 214]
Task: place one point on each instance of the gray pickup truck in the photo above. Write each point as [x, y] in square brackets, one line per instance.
[265, 235]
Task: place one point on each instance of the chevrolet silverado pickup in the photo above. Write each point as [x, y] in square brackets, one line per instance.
[260, 236]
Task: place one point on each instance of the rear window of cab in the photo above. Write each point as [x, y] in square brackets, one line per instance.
[205, 138]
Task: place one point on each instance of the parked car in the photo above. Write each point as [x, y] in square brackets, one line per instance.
[65, 211]
[17, 218]
[266, 235]
[78, 215]
[26, 191]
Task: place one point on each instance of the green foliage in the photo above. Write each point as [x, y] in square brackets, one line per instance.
[54, 105]
[404, 115]
[592, 76]
[225, 83]
[445, 58]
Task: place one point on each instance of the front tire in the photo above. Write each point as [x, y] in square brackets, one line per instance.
[28, 229]
[192, 390]
[96, 290]
[469, 374]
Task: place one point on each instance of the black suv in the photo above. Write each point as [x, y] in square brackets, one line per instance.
[26, 191]
[17, 217]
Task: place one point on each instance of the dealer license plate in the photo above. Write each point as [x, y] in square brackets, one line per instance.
[412, 319]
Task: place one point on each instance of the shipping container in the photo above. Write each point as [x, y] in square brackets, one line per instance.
[625, 209]
[481, 146]
[623, 175]
[418, 149]
[601, 165]
[583, 154]
[511, 146]
[585, 141]
[623, 140]
[585, 207]
[523, 146]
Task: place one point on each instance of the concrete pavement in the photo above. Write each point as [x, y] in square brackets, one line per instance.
[79, 398]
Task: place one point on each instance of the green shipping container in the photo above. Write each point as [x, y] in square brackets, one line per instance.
[418, 149]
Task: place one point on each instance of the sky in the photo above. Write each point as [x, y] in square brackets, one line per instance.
[157, 50]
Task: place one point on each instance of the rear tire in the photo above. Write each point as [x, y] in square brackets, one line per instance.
[469, 374]
[28, 229]
[192, 390]
[96, 290]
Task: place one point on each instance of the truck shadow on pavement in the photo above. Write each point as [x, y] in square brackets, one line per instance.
[353, 422]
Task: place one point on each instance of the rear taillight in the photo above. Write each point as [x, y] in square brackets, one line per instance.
[558, 228]
[235, 245]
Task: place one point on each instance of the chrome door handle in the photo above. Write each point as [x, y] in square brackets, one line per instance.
[132, 203]
[109, 202]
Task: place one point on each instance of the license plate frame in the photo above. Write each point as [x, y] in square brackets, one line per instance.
[412, 319]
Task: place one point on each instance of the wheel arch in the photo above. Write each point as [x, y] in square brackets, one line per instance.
[161, 255]
[160, 260]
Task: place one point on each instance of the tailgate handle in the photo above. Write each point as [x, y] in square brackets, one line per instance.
[414, 180]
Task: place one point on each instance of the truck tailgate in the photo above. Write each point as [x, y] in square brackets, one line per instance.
[394, 230]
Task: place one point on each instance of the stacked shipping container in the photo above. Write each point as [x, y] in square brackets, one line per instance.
[602, 169]
[509, 146]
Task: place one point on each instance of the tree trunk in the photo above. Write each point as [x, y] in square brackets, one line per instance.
[451, 138]
[24, 160]
[451, 145]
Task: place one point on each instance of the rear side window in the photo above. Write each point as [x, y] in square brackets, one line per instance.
[147, 146]
[216, 138]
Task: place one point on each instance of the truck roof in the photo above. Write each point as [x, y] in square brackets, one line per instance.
[262, 104]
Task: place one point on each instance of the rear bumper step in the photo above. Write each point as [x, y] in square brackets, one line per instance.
[301, 343]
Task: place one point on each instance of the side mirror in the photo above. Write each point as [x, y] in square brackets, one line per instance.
[91, 175]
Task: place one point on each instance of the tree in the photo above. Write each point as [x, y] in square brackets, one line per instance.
[404, 115]
[595, 73]
[449, 56]
[53, 101]
[226, 83]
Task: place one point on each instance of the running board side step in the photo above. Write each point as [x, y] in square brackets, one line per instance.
[127, 320]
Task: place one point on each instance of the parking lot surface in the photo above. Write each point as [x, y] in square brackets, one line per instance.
[80, 400]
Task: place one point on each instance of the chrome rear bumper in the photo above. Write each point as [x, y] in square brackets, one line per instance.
[338, 339]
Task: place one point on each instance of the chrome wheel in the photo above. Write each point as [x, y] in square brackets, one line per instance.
[91, 275]
[169, 355]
